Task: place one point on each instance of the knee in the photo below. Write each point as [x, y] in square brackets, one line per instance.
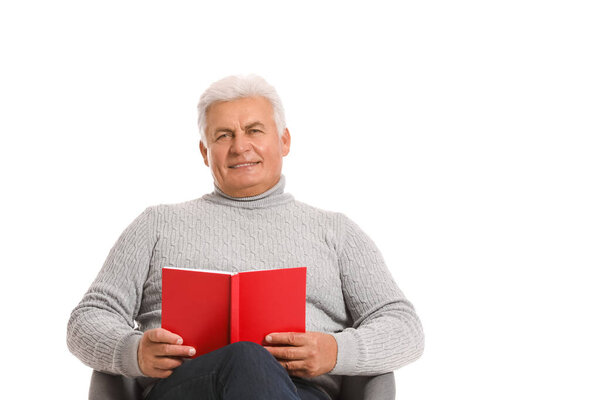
[248, 353]
[251, 372]
[248, 349]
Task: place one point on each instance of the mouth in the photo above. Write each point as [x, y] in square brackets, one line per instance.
[248, 164]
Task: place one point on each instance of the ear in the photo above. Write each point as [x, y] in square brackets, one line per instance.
[204, 152]
[285, 142]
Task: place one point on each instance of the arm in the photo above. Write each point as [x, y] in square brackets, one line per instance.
[386, 333]
[101, 329]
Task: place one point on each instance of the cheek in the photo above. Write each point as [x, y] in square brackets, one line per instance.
[271, 150]
[217, 157]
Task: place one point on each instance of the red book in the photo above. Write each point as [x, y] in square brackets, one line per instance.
[211, 309]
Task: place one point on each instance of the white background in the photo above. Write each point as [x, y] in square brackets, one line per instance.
[462, 136]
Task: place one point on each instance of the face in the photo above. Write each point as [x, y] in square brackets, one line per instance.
[243, 149]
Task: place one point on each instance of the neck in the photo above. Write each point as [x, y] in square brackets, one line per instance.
[273, 197]
[246, 192]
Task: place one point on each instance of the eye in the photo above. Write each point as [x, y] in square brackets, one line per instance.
[254, 130]
[223, 136]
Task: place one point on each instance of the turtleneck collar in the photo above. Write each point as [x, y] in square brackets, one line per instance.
[272, 197]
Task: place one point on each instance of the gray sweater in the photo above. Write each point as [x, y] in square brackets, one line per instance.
[350, 292]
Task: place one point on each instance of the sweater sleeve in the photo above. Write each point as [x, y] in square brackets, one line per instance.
[101, 331]
[386, 333]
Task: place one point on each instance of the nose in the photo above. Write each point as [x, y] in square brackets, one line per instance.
[240, 144]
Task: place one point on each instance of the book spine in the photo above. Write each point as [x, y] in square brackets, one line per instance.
[234, 322]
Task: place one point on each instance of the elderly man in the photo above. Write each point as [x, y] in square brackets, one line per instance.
[357, 320]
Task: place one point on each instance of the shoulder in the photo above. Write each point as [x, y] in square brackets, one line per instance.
[334, 222]
[341, 230]
[178, 208]
[344, 228]
[326, 216]
[159, 216]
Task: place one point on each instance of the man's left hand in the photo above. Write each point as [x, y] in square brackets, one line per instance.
[305, 355]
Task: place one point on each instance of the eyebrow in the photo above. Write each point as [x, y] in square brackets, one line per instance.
[254, 125]
[251, 125]
[228, 130]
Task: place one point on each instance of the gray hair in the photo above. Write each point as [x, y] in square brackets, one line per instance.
[238, 87]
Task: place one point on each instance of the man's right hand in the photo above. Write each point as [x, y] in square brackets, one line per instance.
[160, 352]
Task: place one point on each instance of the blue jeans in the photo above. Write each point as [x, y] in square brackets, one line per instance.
[241, 370]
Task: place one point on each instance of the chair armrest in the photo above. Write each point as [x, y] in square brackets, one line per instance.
[378, 387]
[105, 386]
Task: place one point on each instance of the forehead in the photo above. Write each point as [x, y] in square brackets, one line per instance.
[239, 111]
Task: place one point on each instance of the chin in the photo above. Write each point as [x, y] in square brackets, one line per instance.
[243, 187]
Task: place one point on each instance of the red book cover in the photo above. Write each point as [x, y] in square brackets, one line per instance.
[210, 309]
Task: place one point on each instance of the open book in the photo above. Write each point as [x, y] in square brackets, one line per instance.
[211, 309]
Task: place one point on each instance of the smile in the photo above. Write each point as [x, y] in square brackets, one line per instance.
[244, 165]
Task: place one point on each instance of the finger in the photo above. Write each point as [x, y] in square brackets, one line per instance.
[288, 352]
[173, 350]
[296, 368]
[160, 335]
[160, 373]
[287, 338]
[167, 363]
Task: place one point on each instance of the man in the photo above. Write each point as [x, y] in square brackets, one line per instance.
[358, 322]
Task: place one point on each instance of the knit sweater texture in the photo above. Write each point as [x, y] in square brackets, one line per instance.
[350, 292]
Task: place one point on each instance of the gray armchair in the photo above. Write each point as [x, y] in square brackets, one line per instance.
[116, 387]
